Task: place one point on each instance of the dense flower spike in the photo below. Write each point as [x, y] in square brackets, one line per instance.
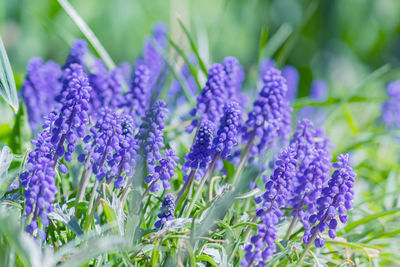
[292, 77]
[76, 53]
[167, 211]
[41, 85]
[150, 135]
[212, 99]
[391, 108]
[264, 66]
[278, 190]
[138, 98]
[270, 117]
[73, 119]
[227, 133]
[234, 77]
[201, 151]
[152, 53]
[164, 171]
[38, 180]
[106, 86]
[335, 201]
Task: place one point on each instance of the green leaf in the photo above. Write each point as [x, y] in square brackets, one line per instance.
[21, 132]
[90, 36]
[7, 84]
[367, 219]
[5, 160]
[194, 48]
[263, 41]
[62, 214]
[276, 41]
[207, 259]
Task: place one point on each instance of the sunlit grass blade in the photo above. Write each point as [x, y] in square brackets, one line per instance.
[276, 41]
[7, 83]
[194, 48]
[263, 42]
[88, 33]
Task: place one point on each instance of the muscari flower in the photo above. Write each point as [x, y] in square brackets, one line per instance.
[391, 108]
[73, 118]
[137, 100]
[164, 171]
[167, 211]
[336, 199]
[227, 134]
[234, 78]
[150, 135]
[41, 85]
[106, 86]
[270, 117]
[76, 53]
[154, 46]
[277, 192]
[211, 101]
[292, 77]
[264, 66]
[38, 180]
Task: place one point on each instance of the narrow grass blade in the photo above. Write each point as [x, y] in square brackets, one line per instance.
[194, 48]
[88, 33]
[263, 42]
[7, 84]
[276, 41]
[364, 220]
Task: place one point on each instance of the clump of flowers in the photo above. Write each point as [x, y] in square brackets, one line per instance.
[167, 211]
[292, 77]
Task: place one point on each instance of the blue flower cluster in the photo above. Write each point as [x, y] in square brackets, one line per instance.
[150, 135]
[211, 101]
[234, 78]
[77, 53]
[391, 108]
[270, 117]
[292, 77]
[41, 85]
[164, 171]
[73, 119]
[336, 199]
[227, 134]
[167, 211]
[277, 192]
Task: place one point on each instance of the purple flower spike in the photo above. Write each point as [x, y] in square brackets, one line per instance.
[234, 77]
[150, 135]
[270, 117]
[138, 98]
[167, 211]
[292, 77]
[41, 85]
[264, 66]
[391, 108]
[76, 53]
[227, 133]
[336, 199]
[164, 171]
[319, 90]
[211, 101]
[277, 193]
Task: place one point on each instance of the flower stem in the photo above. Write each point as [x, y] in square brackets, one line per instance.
[290, 229]
[186, 185]
[244, 158]
[91, 206]
[310, 243]
[202, 182]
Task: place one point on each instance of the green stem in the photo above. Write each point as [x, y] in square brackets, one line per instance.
[202, 182]
[186, 185]
[244, 158]
[312, 239]
[91, 209]
[290, 229]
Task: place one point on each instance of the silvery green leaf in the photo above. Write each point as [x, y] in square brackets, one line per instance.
[7, 84]
[5, 160]
[175, 224]
[213, 253]
[62, 214]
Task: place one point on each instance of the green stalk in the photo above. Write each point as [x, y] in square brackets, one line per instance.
[244, 158]
[202, 182]
[186, 185]
[291, 226]
[310, 243]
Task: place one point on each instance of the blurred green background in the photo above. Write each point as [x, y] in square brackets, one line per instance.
[341, 41]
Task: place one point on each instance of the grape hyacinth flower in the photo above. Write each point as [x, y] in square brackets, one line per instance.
[270, 117]
[264, 66]
[391, 108]
[335, 201]
[73, 119]
[292, 77]
[76, 53]
[164, 171]
[39, 181]
[227, 134]
[41, 85]
[150, 135]
[167, 211]
[211, 101]
[137, 100]
[152, 53]
[106, 86]
[234, 77]
[277, 193]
